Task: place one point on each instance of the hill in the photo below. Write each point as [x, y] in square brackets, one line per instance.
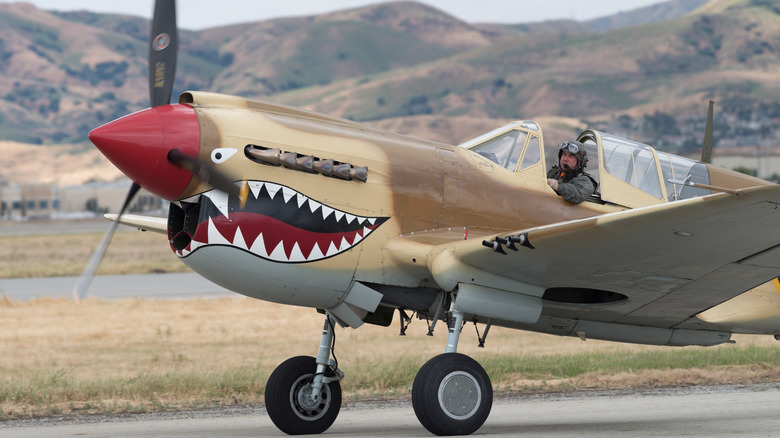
[407, 66]
[669, 10]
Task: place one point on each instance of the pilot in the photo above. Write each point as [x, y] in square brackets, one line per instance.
[568, 178]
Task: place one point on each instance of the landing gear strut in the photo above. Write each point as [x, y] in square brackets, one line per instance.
[452, 393]
[303, 394]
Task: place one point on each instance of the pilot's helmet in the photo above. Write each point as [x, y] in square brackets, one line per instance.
[575, 148]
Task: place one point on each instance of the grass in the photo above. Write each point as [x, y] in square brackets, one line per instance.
[59, 391]
[42, 255]
[129, 356]
[556, 367]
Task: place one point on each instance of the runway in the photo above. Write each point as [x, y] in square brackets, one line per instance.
[748, 411]
[159, 286]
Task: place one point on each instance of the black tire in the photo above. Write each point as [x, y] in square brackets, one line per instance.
[286, 402]
[452, 395]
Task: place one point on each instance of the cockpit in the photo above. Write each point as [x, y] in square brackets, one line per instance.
[625, 163]
[629, 173]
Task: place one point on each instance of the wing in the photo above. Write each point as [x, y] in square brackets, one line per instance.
[657, 266]
[143, 223]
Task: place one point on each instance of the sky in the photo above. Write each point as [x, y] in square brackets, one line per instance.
[201, 14]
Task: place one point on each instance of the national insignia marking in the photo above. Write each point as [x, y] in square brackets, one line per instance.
[161, 42]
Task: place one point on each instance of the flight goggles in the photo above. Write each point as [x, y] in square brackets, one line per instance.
[570, 146]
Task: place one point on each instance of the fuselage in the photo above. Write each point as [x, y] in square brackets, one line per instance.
[328, 205]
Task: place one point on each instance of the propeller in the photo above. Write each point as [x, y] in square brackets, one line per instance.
[163, 48]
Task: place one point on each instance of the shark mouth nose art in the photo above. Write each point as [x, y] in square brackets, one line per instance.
[277, 223]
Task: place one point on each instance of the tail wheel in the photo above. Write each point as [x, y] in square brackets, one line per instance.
[288, 401]
[452, 395]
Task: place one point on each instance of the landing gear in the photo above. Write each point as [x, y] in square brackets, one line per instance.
[289, 403]
[452, 393]
[303, 394]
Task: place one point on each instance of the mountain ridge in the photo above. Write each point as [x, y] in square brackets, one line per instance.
[405, 65]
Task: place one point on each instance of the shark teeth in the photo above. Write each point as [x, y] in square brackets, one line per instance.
[220, 200]
[282, 243]
[215, 237]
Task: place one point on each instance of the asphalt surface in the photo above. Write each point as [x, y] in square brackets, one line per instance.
[96, 224]
[727, 411]
[159, 286]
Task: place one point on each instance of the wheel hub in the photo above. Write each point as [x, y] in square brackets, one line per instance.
[304, 398]
[302, 403]
[459, 395]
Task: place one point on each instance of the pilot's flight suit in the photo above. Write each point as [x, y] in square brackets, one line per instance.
[573, 186]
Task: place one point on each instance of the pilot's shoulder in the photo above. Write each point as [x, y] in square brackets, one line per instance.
[592, 181]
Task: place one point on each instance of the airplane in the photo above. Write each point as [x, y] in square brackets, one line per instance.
[290, 206]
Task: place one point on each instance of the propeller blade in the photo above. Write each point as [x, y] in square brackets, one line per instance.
[81, 287]
[706, 149]
[163, 49]
[204, 172]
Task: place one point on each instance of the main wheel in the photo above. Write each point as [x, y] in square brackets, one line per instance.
[288, 402]
[452, 395]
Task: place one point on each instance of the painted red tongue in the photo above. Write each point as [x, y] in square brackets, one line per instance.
[275, 231]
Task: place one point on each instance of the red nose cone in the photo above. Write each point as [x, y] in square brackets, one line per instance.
[138, 145]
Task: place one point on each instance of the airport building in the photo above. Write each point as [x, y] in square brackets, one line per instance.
[49, 201]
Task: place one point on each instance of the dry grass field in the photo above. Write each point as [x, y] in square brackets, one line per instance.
[140, 355]
[59, 357]
[46, 255]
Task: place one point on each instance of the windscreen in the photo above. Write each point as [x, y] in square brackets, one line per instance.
[504, 150]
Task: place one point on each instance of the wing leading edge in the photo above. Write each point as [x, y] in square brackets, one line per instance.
[143, 223]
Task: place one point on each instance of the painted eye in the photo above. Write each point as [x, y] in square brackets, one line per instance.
[220, 155]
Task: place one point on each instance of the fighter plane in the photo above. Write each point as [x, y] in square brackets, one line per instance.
[294, 207]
